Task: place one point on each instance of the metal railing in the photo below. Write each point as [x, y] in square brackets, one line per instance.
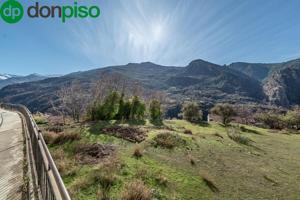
[47, 178]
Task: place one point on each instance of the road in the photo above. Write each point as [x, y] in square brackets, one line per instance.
[11, 156]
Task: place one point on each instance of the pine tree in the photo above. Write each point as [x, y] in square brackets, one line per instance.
[155, 111]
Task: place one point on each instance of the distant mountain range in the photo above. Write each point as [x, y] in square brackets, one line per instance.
[201, 81]
[8, 79]
[5, 76]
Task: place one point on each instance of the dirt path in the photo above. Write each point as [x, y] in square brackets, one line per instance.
[11, 156]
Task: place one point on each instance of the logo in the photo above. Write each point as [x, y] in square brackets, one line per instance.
[11, 11]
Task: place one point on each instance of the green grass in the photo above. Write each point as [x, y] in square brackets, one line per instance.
[237, 171]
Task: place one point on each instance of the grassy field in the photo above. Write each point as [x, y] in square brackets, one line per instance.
[213, 162]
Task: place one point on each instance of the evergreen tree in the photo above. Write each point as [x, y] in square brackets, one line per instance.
[155, 111]
[121, 111]
[111, 105]
[127, 110]
[137, 111]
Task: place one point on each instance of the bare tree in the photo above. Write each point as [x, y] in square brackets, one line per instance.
[72, 100]
[107, 83]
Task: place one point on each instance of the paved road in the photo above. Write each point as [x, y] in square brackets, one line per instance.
[11, 156]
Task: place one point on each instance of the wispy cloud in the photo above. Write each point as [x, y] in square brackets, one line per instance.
[175, 32]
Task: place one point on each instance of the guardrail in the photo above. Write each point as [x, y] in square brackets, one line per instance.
[1, 119]
[48, 180]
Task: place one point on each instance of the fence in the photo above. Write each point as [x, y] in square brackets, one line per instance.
[47, 178]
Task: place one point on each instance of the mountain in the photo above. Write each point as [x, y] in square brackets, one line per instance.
[211, 83]
[258, 71]
[282, 86]
[199, 81]
[6, 76]
[6, 79]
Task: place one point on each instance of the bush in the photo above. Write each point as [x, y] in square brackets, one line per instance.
[225, 111]
[40, 120]
[271, 120]
[168, 140]
[136, 190]
[65, 166]
[237, 137]
[138, 151]
[55, 128]
[188, 132]
[292, 119]
[161, 179]
[191, 112]
[60, 138]
[106, 181]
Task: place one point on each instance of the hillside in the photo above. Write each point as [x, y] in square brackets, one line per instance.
[6, 80]
[258, 71]
[204, 165]
[211, 83]
[6, 76]
[282, 86]
[200, 80]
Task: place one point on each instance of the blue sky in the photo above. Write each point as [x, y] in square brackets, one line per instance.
[168, 32]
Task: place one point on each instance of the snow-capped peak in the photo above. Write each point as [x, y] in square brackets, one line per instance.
[5, 76]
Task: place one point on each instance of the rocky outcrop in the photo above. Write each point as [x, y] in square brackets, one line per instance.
[283, 86]
[275, 90]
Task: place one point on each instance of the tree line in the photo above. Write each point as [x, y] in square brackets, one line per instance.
[113, 97]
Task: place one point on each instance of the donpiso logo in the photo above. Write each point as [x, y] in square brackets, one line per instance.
[12, 11]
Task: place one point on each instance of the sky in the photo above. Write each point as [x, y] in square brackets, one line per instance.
[166, 32]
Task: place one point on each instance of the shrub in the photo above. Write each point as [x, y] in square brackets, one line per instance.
[142, 173]
[225, 111]
[55, 128]
[60, 138]
[138, 151]
[136, 190]
[270, 119]
[292, 118]
[40, 120]
[104, 176]
[168, 140]
[106, 181]
[243, 129]
[188, 132]
[191, 112]
[161, 179]
[237, 137]
[65, 166]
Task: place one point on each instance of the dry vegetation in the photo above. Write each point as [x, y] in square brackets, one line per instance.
[215, 162]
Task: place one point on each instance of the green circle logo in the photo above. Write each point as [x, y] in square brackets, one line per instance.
[11, 11]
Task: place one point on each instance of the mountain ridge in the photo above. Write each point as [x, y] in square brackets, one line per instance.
[200, 81]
